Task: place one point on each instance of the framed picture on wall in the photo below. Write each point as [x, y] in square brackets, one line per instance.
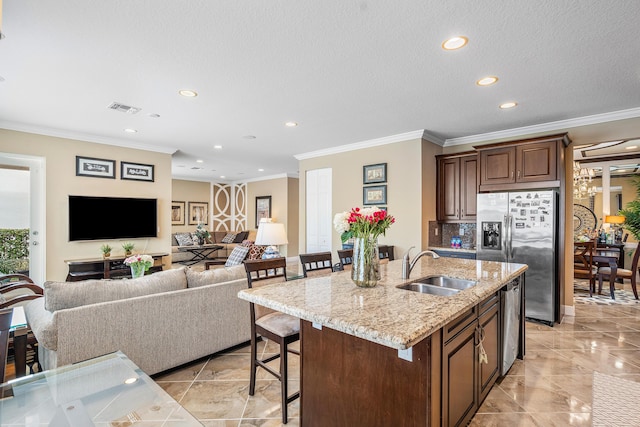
[198, 213]
[263, 208]
[374, 195]
[177, 213]
[96, 168]
[372, 174]
[136, 171]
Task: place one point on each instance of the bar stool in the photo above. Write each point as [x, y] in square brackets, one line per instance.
[280, 328]
[316, 262]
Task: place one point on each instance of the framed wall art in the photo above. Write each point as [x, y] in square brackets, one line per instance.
[372, 174]
[96, 168]
[136, 171]
[374, 195]
[198, 213]
[263, 208]
[177, 213]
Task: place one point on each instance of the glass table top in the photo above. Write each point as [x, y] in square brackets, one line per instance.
[107, 391]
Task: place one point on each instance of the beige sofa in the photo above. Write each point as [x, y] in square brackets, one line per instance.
[178, 256]
[159, 321]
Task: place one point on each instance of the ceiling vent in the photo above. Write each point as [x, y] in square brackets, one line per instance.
[195, 168]
[123, 108]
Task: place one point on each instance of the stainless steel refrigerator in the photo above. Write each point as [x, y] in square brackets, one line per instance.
[522, 227]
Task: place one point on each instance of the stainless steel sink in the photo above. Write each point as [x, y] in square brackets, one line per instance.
[438, 285]
[447, 282]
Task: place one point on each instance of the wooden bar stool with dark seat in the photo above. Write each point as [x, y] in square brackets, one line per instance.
[316, 262]
[386, 252]
[280, 328]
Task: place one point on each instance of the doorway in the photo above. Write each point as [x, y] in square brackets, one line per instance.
[22, 217]
[318, 210]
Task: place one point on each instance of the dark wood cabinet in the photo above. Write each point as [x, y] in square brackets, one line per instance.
[466, 380]
[106, 268]
[522, 164]
[457, 187]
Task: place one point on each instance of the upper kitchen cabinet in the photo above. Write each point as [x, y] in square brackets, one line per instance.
[524, 164]
[457, 187]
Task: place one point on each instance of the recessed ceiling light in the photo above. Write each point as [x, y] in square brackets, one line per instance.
[621, 170]
[486, 81]
[291, 124]
[631, 147]
[129, 130]
[199, 161]
[260, 170]
[218, 147]
[130, 380]
[508, 105]
[222, 176]
[188, 93]
[455, 43]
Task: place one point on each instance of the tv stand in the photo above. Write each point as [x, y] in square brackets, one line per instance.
[106, 268]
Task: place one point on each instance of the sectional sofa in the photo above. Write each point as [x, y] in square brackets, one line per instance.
[216, 238]
[159, 321]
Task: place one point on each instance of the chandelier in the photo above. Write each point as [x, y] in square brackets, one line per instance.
[582, 182]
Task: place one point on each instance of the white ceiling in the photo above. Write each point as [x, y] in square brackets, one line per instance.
[346, 71]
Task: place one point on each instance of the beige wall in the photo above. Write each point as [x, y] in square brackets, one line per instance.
[411, 182]
[190, 191]
[283, 207]
[61, 181]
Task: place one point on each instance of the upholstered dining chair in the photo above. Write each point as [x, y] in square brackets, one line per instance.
[316, 263]
[280, 328]
[622, 273]
[18, 293]
[5, 325]
[583, 267]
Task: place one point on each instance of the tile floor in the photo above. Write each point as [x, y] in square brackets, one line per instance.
[551, 387]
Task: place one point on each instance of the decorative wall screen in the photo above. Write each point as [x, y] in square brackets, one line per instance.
[229, 207]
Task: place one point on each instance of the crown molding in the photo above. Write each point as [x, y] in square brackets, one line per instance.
[418, 134]
[85, 137]
[546, 127]
[267, 178]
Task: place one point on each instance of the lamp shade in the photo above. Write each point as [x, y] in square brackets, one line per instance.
[271, 234]
[614, 219]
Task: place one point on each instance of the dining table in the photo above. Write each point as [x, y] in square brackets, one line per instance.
[607, 257]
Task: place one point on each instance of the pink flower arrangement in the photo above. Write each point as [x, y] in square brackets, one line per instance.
[146, 260]
[369, 221]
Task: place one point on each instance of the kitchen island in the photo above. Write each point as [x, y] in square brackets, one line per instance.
[388, 356]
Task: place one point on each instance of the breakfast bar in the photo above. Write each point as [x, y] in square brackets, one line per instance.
[391, 356]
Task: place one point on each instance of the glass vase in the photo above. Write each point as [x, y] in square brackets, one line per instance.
[365, 271]
[137, 270]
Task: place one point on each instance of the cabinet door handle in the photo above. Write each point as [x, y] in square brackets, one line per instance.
[511, 174]
[518, 174]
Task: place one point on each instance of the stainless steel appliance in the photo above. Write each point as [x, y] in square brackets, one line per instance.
[510, 324]
[522, 227]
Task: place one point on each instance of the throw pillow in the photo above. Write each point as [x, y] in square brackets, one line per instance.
[184, 239]
[256, 251]
[247, 243]
[241, 236]
[238, 255]
[229, 238]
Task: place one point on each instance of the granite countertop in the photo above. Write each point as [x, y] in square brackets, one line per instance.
[386, 315]
[450, 249]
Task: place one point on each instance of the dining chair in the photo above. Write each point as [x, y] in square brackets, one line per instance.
[5, 325]
[583, 267]
[18, 293]
[280, 328]
[316, 263]
[623, 273]
[346, 259]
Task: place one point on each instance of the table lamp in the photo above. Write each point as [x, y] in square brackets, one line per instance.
[271, 234]
[615, 220]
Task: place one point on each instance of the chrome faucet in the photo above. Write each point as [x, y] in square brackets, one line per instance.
[407, 265]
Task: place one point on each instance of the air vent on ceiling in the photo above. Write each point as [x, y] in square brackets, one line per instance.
[196, 168]
[123, 108]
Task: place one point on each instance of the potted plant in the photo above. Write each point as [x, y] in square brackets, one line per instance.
[106, 250]
[631, 213]
[202, 234]
[128, 247]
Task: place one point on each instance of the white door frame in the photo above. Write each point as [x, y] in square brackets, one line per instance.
[319, 234]
[37, 208]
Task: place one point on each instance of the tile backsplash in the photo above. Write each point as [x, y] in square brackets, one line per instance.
[441, 234]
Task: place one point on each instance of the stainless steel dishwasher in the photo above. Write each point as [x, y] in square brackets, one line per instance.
[510, 324]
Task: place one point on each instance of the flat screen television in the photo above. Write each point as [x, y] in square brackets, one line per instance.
[102, 218]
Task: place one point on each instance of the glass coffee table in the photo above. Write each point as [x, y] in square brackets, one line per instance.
[106, 391]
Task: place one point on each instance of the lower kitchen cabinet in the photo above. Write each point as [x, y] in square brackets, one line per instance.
[466, 379]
